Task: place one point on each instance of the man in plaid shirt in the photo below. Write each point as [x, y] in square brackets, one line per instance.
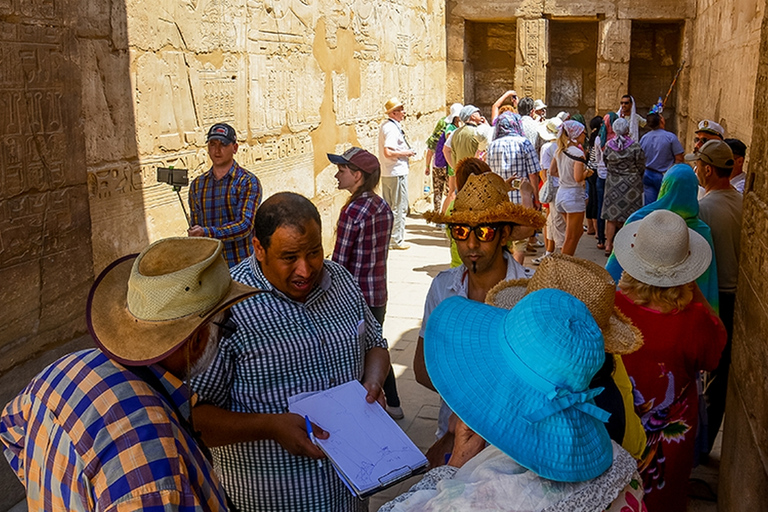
[223, 200]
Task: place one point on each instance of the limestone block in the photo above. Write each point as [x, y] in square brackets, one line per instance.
[580, 8]
[614, 38]
[656, 9]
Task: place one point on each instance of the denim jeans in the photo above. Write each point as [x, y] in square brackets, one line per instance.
[600, 221]
[651, 185]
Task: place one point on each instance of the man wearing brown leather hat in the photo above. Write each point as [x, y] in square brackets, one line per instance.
[482, 221]
[110, 427]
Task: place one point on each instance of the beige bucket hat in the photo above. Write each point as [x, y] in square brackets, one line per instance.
[143, 307]
[585, 280]
[484, 199]
[661, 250]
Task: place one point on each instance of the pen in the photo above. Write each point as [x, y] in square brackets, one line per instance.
[312, 438]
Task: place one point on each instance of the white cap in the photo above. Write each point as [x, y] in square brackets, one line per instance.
[455, 109]
[538, 105]
[711, 127]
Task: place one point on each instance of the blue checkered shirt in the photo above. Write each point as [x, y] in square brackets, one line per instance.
[513, 156]
[281, 348]
[225, 209]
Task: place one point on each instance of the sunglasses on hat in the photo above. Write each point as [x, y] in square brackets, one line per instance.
[483, 232]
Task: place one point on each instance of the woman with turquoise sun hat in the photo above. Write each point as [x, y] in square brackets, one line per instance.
[522, 386]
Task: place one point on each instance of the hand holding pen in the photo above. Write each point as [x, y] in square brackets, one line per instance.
[311, 435]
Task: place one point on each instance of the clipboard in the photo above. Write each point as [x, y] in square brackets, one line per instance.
[367, 449]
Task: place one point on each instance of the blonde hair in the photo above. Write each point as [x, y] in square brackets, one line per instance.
[666, 300]
[563, 141]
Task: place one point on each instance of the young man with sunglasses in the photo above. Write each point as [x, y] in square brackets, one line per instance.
[707, 130]
[483, 220]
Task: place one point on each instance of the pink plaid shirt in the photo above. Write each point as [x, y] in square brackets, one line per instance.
[362, 242]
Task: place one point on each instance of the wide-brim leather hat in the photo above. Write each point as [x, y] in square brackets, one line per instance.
[143, 307]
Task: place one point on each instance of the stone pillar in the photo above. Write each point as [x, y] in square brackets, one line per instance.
[532, 58]
[613, 46]
[454, 61]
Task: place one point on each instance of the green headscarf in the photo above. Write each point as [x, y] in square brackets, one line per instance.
[679, 193]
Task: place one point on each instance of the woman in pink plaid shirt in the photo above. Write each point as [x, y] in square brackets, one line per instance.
[362, 240]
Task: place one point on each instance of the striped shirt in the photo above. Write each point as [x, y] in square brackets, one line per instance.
[513, 157]
[362, 241]
[87, 434]
[225, 209]
[281, 348]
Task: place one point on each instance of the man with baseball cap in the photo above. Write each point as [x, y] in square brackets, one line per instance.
[223, 200]
[707, 130]
[110, 428]
[394, 152]
[721, 209]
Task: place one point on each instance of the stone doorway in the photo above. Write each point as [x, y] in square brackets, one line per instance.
[653, 62]
[489, 63]
[572, 68]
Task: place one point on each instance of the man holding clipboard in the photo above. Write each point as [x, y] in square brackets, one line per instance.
[312, 331]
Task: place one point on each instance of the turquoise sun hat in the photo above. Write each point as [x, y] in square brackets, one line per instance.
[522, 383]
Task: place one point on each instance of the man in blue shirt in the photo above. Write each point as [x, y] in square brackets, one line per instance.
[662, 151]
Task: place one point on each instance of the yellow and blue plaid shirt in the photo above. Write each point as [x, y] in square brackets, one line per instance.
[87, 434]
[225, 209]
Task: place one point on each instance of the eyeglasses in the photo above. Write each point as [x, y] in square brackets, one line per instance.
[484, 232]
[625, 103]
[696, 140]
[228, 328]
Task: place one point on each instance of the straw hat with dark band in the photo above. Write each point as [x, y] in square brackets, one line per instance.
[143, 307]
[484, 199]
[585, 280]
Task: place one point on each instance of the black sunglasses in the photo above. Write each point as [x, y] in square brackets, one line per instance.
[483, 232]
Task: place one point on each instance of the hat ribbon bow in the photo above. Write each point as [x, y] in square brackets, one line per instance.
[562, 399]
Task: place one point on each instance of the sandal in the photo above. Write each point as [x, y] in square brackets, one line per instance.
[601, 245]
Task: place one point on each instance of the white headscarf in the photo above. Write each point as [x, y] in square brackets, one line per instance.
[634, 122]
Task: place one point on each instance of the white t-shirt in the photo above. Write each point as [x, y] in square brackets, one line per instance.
[391, 136]
[565, 168]
[545, 157]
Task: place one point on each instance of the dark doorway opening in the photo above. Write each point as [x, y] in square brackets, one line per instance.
[489, 64]
[653, 62]
[572, 68]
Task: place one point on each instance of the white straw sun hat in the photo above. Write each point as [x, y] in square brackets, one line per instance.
[661, 250]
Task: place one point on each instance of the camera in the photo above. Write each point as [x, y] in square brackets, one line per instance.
[173, 177]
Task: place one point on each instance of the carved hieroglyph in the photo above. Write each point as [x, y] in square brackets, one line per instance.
[296, 78]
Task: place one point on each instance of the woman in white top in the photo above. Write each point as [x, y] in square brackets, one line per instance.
[569, 166]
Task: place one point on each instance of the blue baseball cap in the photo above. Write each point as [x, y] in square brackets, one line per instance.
[522, 383]
[223, 132]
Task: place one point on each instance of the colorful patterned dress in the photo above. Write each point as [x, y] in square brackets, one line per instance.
[677, 346]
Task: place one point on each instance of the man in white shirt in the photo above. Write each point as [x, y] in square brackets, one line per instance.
[394, 152]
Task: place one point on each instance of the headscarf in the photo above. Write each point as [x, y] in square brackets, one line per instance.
[508, 123]
[620, 141]
[572, 128]
[606, 131]
[634, 122]
[679, 194]
[579, 118]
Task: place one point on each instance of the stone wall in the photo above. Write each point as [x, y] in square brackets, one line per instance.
[45, 228]
[729, 83]
[297, 79]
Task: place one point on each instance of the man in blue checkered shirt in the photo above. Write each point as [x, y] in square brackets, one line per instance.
[223, 200]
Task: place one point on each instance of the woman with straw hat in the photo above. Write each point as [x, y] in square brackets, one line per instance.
[523, 386]
[662, 258]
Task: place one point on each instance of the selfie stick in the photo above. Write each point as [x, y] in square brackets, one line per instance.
[177, 189]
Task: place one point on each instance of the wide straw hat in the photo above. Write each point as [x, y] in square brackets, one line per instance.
[585, 280]
[661, 250]
[143, 307]
[522, 383]
[392, 104]
[484, 199]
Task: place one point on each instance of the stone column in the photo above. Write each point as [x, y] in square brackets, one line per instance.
[455, 50]
[612, 63]
[532, 58]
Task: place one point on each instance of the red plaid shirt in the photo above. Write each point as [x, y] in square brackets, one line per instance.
[362, 242]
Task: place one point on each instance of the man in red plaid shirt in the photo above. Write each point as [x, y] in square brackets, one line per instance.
[223, 200]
